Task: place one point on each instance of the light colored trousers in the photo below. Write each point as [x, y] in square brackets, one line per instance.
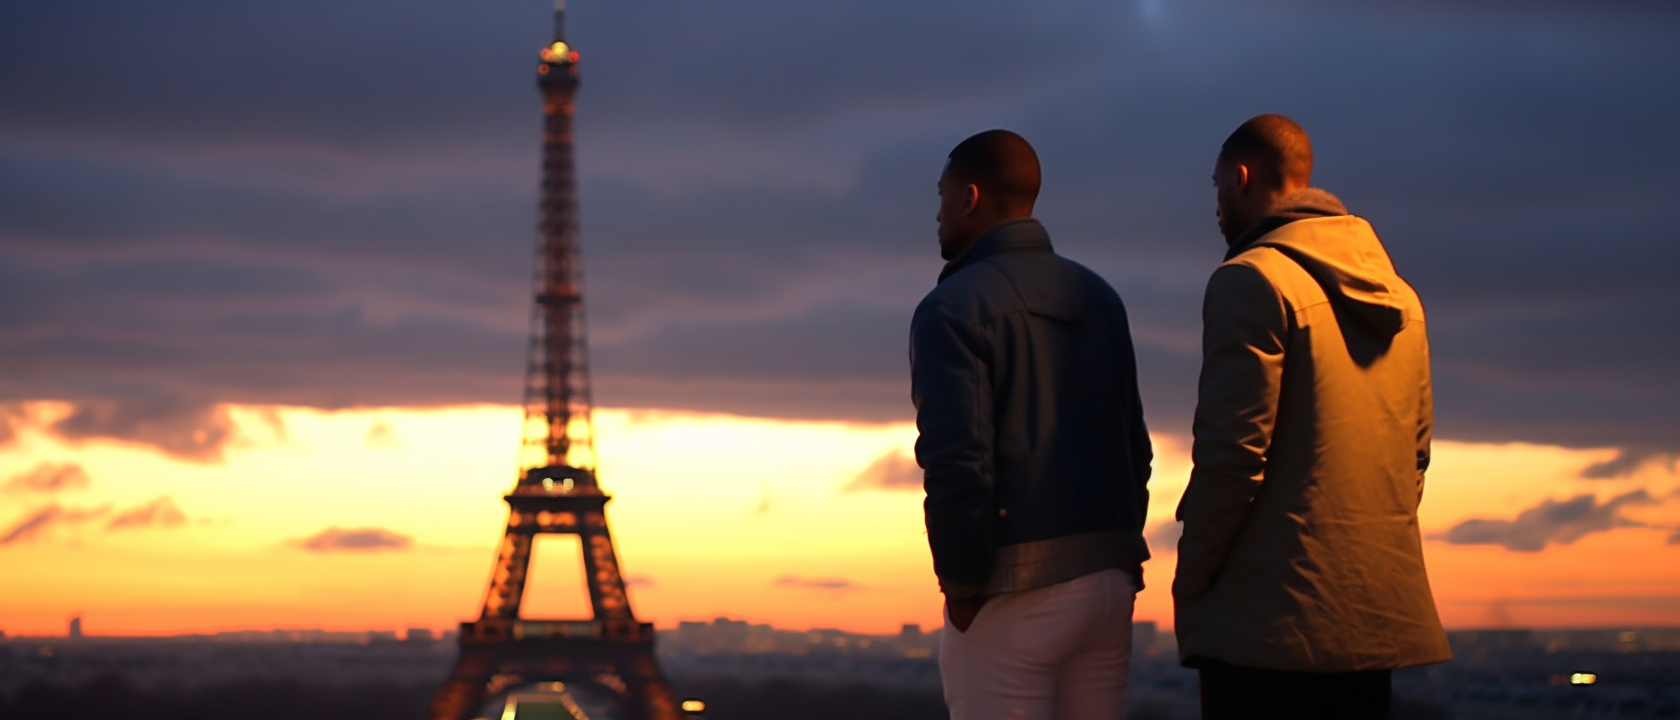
[1054, 653]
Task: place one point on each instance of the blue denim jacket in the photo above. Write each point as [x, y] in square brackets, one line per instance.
[1025, 385]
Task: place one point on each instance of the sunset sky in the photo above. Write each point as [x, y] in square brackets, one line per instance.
[264, 286]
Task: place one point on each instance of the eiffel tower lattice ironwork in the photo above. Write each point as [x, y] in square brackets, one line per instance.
[607, 658]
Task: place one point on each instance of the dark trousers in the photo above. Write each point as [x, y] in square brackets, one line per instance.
[1230, 692]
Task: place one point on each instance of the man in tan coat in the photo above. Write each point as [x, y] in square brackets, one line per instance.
[1300, 571]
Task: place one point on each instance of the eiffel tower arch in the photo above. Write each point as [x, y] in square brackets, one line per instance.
[601, 667]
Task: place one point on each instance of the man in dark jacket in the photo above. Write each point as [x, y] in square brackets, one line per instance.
[1034, 451]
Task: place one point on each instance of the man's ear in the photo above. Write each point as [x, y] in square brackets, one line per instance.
[1240, 172]
[971, 198]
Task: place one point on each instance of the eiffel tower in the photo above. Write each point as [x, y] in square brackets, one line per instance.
[601, 667]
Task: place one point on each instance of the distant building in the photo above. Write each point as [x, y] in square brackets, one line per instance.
[913, 643]
[419, 635]
[1144, 636]
[721, 635]
[1485, 649]
[75, 626]
[729, 635]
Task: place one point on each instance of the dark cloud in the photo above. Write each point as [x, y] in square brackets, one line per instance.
[49, 477]
[645, 582]
[43, 519]
[334, 539]
[893, 470]
[190, 339]
[315, 204]
[1626, 462]
[269, 67]
[833, 585]
[1551, 522]
[159, 512]
[191, 431]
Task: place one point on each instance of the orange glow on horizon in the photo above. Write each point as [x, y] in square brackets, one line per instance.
[753, 519]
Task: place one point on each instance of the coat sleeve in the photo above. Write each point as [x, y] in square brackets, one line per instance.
[950, 384]
[1244, 332]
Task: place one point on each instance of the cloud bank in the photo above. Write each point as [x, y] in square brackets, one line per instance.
[49, 477]
[338, 230]
[159, 512]
[38, 522]
[1559, 522]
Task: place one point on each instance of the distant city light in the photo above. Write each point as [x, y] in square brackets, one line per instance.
[1583, 679]
[693, 705]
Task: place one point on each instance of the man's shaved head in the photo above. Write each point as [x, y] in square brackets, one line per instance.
[1275, 149]
[989, 178]
[1267, 158]
[1001, 163]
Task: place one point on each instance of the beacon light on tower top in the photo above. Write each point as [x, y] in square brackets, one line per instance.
[559, 53]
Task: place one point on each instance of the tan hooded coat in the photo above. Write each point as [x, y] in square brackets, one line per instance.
[1301, 549]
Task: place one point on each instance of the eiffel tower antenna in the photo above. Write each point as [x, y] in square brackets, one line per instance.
[608, 657]
[559, 427]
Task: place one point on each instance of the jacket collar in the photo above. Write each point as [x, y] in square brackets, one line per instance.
[1007, 236]
[1299, 205]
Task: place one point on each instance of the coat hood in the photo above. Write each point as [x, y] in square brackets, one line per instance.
[1343, 254]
